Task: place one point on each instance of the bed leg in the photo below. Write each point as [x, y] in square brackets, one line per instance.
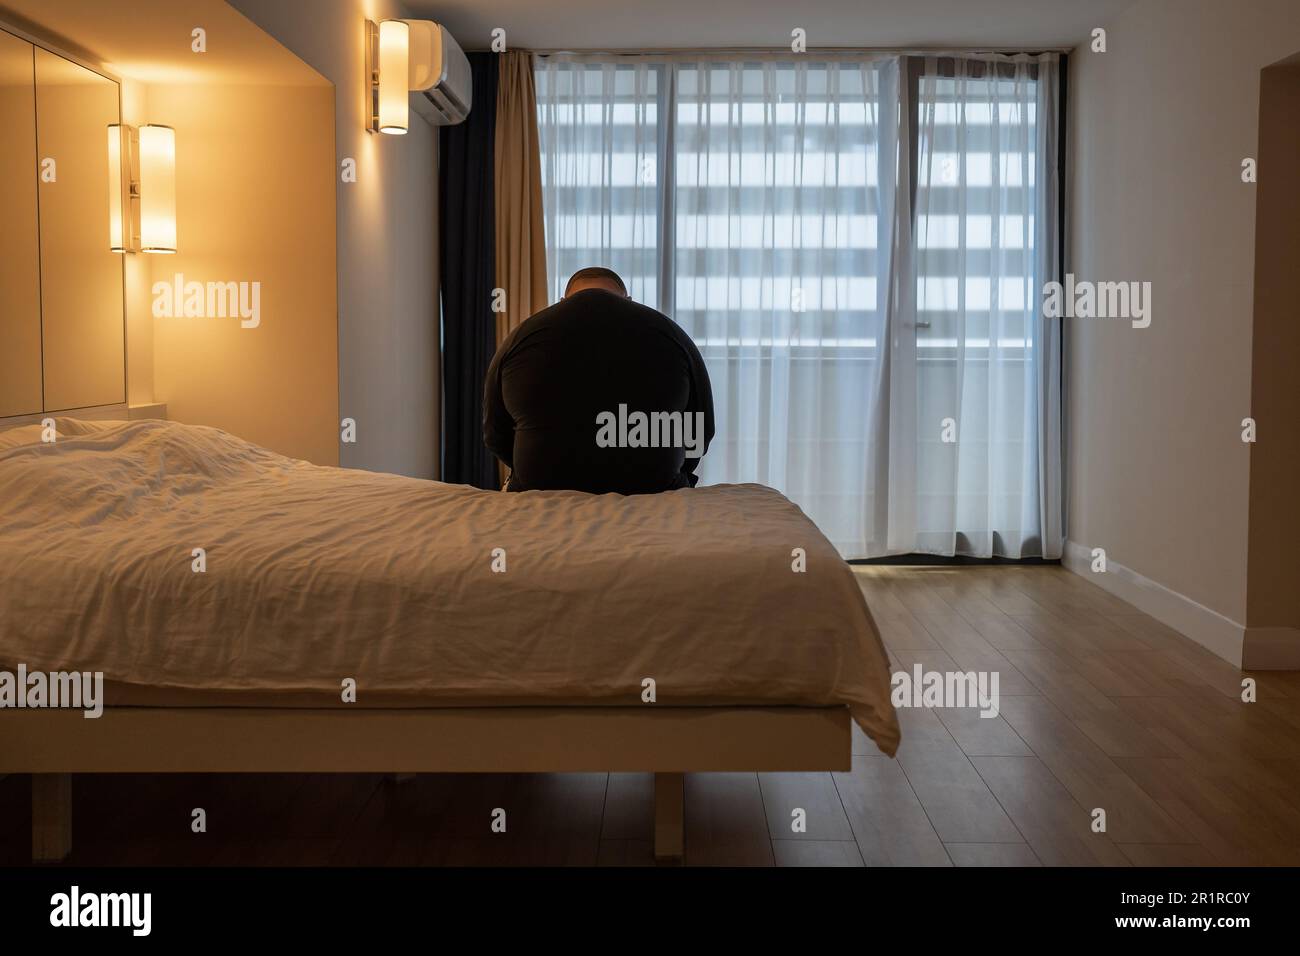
[669, 817]
[51, 817]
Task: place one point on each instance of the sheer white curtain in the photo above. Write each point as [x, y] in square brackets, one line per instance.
[598, 130]
[783, 195]
[769, 205]
[981, 475]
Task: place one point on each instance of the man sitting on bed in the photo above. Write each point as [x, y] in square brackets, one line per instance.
[598, 393]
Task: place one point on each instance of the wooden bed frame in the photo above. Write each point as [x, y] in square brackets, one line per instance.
[667, 741]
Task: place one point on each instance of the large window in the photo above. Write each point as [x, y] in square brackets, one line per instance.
[852, 244]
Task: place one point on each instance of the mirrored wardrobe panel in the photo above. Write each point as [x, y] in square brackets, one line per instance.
[81, 277]
[20, 279]
[62, 320]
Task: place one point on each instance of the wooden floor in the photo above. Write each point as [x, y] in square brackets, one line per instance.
[1102, 707]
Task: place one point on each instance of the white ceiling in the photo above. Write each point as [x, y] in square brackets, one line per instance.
[716, 24]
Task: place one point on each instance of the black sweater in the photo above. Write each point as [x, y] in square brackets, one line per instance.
[566, 370]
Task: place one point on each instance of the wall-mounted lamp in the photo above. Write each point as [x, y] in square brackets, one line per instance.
[123, 188]
[141, 188]
[387, 75]
[157, 189]
[405, 57]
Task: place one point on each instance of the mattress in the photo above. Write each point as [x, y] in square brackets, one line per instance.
[415, 590]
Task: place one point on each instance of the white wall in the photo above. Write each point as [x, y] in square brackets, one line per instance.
[1157, 473]
[387, 245]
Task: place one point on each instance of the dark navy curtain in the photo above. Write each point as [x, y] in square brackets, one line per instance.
[466, 269]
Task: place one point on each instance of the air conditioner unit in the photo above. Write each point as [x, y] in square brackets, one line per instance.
[439, 77]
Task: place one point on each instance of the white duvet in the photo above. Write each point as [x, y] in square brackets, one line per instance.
[316, 575]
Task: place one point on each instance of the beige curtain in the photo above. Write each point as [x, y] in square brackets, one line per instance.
[520, 234]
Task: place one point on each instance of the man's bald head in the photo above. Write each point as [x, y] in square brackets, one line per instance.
[595, 277]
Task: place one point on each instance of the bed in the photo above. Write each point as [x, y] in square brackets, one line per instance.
[251, 612]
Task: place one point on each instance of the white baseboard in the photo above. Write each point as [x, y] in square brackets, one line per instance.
[1216, 633]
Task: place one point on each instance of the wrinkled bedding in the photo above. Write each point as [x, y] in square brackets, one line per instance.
[315, 575]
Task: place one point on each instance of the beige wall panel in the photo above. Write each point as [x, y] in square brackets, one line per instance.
[255, 176]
